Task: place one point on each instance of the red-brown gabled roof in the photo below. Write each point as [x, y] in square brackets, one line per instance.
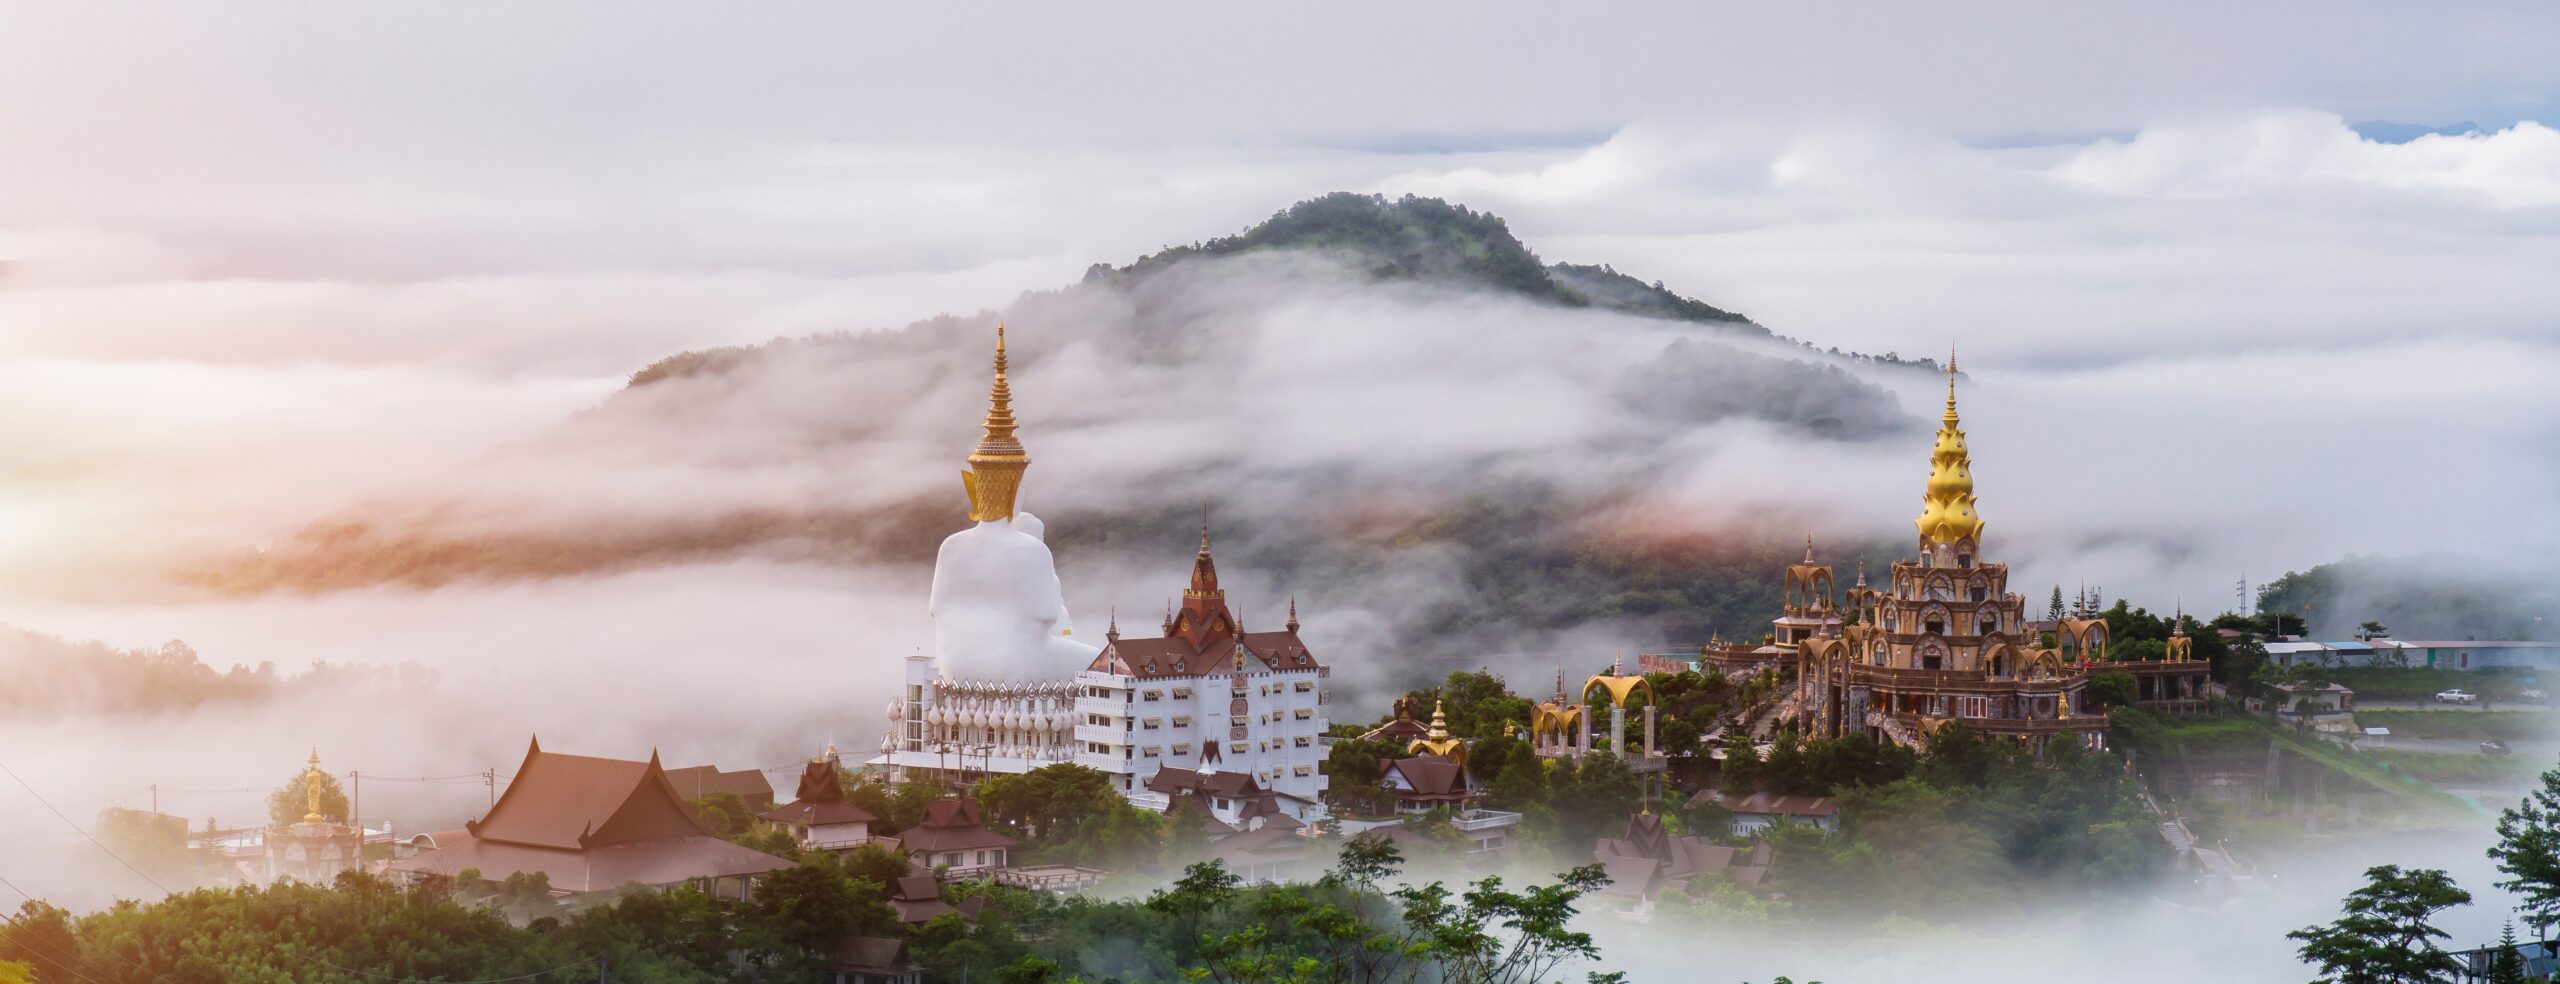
[1174, 656]
[695, 782]
[952, 825]
[572, 802]
[1430, 777]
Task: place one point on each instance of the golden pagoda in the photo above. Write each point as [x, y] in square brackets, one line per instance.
[1438, 741]
[996, 467]
[1948, 515]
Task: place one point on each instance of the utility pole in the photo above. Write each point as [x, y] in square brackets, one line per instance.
[355, 811]
[155, 797]
[490, 777]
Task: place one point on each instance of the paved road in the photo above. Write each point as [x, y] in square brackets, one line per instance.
[2379, 704]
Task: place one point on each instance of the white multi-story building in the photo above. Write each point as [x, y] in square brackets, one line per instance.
[1207, 696]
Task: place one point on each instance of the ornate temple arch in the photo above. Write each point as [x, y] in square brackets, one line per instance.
[2083, 638]
[1619, 689]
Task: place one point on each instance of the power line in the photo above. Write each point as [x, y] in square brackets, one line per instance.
[82, 966]
[48, 805]
[75, 957]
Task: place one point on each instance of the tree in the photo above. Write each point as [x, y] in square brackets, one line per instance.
[2113, 688]
[2053, 609]
[2508, 966]
[2383, 936]
[799, 913]
[725, 812]
[2373, 630]
[289, 804]
[2528, 851]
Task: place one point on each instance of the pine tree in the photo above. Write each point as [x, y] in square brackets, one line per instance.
[2528, 852]
[2053, 612]
[2508, 968]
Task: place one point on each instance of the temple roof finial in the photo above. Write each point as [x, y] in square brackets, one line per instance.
[995, 468]
[1948, 511]
[1293, 613]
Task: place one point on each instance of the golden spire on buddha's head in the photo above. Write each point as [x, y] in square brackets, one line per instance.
[1947, 514]
[995, 468]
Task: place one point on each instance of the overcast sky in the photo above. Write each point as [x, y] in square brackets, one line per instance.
[259, 263]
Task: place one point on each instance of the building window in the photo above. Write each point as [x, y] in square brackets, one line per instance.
[1302, 741]
[1305, 685]
[1155, 694]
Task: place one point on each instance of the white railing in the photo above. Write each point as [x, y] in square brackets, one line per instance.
[1475, 820]
[1109, 734]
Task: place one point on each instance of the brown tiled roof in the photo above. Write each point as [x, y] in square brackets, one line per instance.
[1771, 804]
[1649, 859]
[917, 897]
[960, 812]
[1400, 729]
[1630, 875]
[821, 800]
[697, 781]
[1268, 845]
[952, 825]
[870, 955]
[1232, 785]
[598, 869]
[1160, 658]
[575, 801]
[1431, 776]
[820, 782]
[807, 814]
[1187, 801]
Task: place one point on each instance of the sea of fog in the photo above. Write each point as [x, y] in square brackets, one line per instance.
[758, 665]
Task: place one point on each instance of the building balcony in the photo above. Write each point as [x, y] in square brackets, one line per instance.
[1100, 762]
[1109, 734]
[1102, 705]
[1477, 820]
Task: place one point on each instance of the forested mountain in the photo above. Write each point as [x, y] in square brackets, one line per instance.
[1393, 405]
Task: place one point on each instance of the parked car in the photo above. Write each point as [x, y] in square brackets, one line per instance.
[2493, 747]
[2533, 697]
[2457, 697]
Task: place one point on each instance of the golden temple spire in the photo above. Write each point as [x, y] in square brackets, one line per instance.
[1947, 514]
[1438, 741]
[311, 789]
[995, 468]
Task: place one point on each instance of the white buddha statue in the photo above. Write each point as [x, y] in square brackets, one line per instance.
[998, 611]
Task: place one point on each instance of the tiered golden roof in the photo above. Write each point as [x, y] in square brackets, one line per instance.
[1439, 742]
[996, 467]
[1948, 514]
